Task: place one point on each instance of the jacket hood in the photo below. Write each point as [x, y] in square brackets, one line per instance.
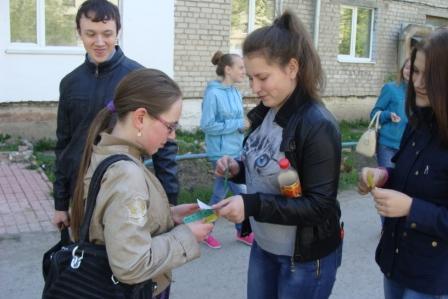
[216, 84]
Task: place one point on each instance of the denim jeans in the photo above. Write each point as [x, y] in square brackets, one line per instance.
[270, 276]
[384, 155]
[393, 290]
[220, 191]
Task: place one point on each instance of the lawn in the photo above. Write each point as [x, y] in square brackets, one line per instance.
[195, 175]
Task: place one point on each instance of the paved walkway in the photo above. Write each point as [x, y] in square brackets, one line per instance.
[26, 204]
[26, 233]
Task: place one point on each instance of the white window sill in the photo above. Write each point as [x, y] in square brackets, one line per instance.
[349, 59]
[46, 50]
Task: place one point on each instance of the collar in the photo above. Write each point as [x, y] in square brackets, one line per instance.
[108, 58]
[113, 145]
[108, 65]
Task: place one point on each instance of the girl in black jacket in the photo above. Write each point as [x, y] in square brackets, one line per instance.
[297, 247]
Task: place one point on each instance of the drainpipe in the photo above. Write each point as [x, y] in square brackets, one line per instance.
[316, 23]
[278, 8]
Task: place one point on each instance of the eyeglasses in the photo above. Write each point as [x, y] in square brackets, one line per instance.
[171, 126]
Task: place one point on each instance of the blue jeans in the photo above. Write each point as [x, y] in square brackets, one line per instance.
[270, 276]
[393, 290]
[220, 191]
[384, 155]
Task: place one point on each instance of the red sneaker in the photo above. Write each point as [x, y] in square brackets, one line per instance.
[248, 240]
[211, 242]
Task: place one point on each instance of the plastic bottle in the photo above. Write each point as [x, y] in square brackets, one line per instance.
[288, 180]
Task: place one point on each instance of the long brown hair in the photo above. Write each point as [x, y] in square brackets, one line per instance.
[285, 39]
[400, 77]
[435, 49]
[145, 88]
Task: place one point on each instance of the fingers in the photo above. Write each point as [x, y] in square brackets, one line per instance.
[218, 207]
[200, 229]
[221, 166]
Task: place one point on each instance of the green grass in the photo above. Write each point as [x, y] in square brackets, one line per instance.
[190, 142]
[193, 142]
[352, 131]
[7, 144]
[190, 195]
[45, 144]
[46, 162]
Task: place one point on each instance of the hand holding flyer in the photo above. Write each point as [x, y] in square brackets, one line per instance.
[205, 213]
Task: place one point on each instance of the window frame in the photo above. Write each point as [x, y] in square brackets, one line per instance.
[40, 46]
[251, 18]
[352, 56]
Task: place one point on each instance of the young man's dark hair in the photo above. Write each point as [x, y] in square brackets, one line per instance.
[98, 11]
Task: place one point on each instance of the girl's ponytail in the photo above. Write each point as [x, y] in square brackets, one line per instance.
[99, 124]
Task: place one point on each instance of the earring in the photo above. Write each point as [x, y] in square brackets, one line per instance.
[139, 134]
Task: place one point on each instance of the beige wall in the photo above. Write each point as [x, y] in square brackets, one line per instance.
[201, 28]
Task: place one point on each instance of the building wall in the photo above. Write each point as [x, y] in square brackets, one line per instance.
[199, 33]
[366, 79]
[201, 28]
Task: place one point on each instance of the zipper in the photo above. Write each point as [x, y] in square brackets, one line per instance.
[96, 71]
[293, 264]
[318, 268]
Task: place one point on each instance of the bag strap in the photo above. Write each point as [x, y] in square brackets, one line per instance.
[65, 236]
[375, 120]
[94, 188]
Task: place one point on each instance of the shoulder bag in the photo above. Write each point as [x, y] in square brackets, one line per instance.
[366, 145]
[81, 269]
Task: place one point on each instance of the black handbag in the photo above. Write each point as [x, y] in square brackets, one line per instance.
[81, 269]
[63, 242]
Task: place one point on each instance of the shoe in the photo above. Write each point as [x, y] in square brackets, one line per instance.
[248, 240]
[211, 242]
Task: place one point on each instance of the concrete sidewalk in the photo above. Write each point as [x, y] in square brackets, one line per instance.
[26, 232]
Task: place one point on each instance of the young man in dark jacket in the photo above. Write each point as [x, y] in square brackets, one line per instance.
[85, 91]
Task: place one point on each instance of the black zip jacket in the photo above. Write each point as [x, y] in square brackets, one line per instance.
[312, 142]
[83, 93]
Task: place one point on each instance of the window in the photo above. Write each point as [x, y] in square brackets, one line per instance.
[248, 15]
[355, 34]
[38, 24]
[436, 21]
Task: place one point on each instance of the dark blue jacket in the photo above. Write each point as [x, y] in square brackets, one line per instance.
[413, 250]
[83, 93]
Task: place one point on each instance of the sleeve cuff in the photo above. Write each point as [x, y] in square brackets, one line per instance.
[61, 204]
[251, 205]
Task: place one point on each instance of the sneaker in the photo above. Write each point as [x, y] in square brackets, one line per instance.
[211, 242]
[248, 240]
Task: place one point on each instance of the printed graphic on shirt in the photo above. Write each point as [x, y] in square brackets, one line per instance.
[261, 154]
[137, 209]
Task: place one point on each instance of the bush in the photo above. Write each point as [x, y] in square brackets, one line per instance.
[45, 144]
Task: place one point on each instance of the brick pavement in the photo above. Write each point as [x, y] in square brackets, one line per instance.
[26, 204]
